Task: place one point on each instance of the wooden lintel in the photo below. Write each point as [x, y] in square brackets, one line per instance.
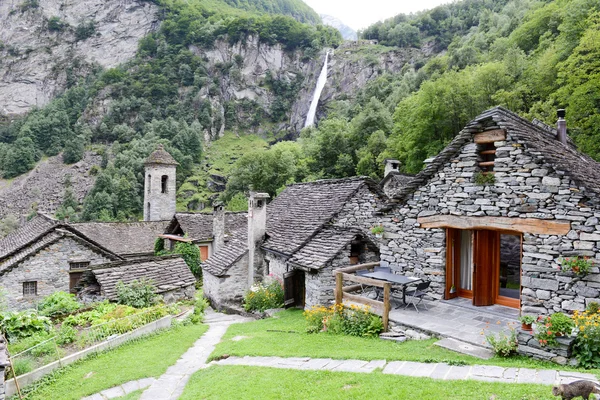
[486, 164]
[524, 225]
[496, 135]
[488, 152]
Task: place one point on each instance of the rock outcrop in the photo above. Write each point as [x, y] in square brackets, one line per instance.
[45, 44]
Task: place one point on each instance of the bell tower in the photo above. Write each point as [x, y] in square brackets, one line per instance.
[159, 185]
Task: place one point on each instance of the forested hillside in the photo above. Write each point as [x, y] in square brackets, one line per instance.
[529, 56]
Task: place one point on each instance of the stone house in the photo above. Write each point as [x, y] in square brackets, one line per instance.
[493, 215]
[207, 231]
[44, 256]
[393, 179]
[298, 239]
[170, 275]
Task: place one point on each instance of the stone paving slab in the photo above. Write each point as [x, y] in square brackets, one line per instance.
[458, 372]
[393, 366]
[465, 348]
[351, 366]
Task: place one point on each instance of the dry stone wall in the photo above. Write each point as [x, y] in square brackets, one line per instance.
[49, 268]
[526, 186]
[227, 291]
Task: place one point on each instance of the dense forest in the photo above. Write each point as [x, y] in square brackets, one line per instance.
[529, 56]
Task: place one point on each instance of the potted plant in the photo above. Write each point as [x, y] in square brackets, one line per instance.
[578, 265]
[526, 321]
[377, 230]
[550, 327]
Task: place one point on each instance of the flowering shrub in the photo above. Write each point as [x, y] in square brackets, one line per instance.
[337, 319]
[587, 344]
[503, 345]
[549, 327]
[579, 265]
[261, 297]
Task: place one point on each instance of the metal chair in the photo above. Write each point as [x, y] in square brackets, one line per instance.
[417, 293]
[365, 289]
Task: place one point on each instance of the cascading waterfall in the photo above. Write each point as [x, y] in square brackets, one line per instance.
[310, 117]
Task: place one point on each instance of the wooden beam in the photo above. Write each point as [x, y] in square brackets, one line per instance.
[364, 300]
[496, 135]
[338, 288]
[354, 268]
[386, 306]
[487, 152]
[362, 279]
[486, 163]
[351, 288]
[524, 225]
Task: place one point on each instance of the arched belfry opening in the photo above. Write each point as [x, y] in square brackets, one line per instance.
[164, 181]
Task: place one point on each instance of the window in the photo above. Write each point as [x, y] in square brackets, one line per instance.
[163, 183]
[30, 288]
[149, 183]
[79, 265]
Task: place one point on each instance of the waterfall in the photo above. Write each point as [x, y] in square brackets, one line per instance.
[310, 117]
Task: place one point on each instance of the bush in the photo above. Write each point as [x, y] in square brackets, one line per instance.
[138, 293]
[17, 325]
[503, 345]
[587, 343]
[548, 328]
[261, 297]
[66, 335]
[58, 304]
[200, 305]
[353, 321]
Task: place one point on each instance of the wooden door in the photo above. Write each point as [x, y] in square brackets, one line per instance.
[203, 253]
[452, 262]
[293, 289]
[74, 278]
[486, 261]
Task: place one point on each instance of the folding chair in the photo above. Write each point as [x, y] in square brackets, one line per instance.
[417, 293]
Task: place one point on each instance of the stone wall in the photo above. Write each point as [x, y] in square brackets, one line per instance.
[277, 265]
[360, 210]
[183, 293]
[228, 290]
[526, 186]
[560, 354]
[159, 206]
[50, 268]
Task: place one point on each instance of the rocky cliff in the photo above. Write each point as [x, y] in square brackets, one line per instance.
[47, 44]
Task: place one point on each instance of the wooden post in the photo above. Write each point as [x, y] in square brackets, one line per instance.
[386, 305]
[339, 288]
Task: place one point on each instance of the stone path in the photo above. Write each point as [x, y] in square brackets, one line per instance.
[443, 371]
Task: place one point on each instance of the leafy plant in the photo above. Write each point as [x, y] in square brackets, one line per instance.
[482, 179]
[503, 345]
[58, 304]
[587, 343]
[377, 230]
[337, 319]
[592, 308]
[200, 305]
[579, 265]
[262, 297]
[549, 327]
[16, 325]
[66, 335]
[138, 293]
[527, 319]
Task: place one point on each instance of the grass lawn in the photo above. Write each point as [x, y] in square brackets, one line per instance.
[131, 396]
[260, 341]
[270, 383]
[142, 358]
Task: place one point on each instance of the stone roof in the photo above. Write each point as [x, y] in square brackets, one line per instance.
[36, 235]
[398, 178]
[293, 218]
[166, 273]
[199, 226]
[3, 354]
[160, 156]
[124, 238]
[31, 230]
[325, 246]
[536, 136]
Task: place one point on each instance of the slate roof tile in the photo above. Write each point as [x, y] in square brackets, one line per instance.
[37, 227]
[199, 226]
[160, 156]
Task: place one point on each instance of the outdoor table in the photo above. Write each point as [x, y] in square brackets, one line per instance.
[401, 280]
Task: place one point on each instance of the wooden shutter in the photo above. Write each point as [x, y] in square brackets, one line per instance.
[289, 289]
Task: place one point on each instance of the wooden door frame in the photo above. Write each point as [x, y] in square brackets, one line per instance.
[453, 238]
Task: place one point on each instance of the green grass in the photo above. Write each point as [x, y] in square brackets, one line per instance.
[131, 396]
[270, 383]
[143, 358]
[261, 342]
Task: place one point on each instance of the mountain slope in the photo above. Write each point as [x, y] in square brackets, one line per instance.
[347, 32]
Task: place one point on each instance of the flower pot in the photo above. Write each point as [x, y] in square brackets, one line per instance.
[526, 327]
[379, 235]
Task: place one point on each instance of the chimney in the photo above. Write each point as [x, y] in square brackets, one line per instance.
[561, 126]
[218, 227]
[391, 166]
[257, 226]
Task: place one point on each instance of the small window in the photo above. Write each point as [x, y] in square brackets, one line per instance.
[163, 182]
[79, 265]
[30, 288]
[149, 183]
[259, 203]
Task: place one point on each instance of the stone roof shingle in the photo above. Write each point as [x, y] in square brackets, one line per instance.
[21, 237]
[124, 238]
[160, 156]
[199, 226]
[536, 136]
[166, 273]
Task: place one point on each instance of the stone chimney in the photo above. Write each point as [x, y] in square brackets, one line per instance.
[391, 166]
[561, 126]
[218, 227]
[257, 226]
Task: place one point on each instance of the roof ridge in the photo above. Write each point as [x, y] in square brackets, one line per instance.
[330, 180]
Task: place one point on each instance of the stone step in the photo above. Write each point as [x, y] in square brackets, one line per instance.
[465, 348]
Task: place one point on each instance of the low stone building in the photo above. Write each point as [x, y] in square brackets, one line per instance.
[494, 214]
[44, 256]
[170, 275]
[206, 230]
[299, 238]
[393, 179]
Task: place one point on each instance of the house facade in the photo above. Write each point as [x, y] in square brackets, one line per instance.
[298, 239]
[494, 214]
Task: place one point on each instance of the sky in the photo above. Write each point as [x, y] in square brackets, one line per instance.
[359, 14]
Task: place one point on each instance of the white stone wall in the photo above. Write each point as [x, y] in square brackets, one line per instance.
[50, 268]
[277, 265]
[228, 290]
[526, 186]
[159, 206]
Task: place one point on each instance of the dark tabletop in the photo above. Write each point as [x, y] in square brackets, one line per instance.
[390, 277]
